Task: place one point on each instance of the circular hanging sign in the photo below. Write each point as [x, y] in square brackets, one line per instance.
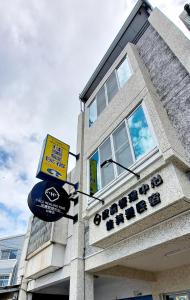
[48, 201]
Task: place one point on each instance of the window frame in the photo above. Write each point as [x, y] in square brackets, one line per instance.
[104, 85]
[9, 277]
[136, 162]
[8, 249]
[130, 67]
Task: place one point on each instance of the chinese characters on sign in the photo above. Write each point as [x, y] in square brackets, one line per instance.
[114, 218]
[54, 160]
[48, 201]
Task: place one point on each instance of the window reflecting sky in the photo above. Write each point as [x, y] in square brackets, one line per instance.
[123, 72]
[92, 113]
[141, 136]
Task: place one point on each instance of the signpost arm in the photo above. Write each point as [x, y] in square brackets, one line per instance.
[106, 162]
[75, 185]
[101, 200]
[77, 156]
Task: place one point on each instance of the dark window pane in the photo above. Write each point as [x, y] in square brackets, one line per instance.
[112, 86]
[94, 174]
[13, 254]
[92, 113]
[4, 279]
[107, 172]
[123, 72]
[122, 148]
[141, 136]
[101, 100]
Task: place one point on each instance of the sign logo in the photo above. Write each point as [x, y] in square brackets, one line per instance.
[54, 173]
[48, 201]
[52, 194]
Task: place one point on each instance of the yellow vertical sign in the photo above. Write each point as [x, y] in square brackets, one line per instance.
[93, 176]
[54, 160]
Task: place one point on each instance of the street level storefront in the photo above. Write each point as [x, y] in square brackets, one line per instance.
[132, 240]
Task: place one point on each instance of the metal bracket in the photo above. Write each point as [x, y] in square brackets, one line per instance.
[76, 185]
[74, 218]
[108, 161]
[75, 200]
[77, 156]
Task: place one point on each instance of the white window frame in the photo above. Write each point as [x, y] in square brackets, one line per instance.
[8, 249]
[130, 67]
[136, 162]
[105, 88]
[5, 274]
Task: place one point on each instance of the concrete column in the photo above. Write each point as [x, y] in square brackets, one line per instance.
[23, 290]
[89, 286]
[77, 280]
[156, 296]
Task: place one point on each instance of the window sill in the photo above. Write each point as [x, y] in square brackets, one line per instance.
[138, 166]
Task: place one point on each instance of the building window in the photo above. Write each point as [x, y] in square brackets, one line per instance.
[115, 82]
[123, 72]
[4, 280]
[129, 142]
[8, 254]
[141, 137]
[112, 86]
[101, 100]
[107, 174]
[122, 149]
[92, 113]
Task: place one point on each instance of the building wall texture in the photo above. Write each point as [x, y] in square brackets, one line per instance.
[171, 80]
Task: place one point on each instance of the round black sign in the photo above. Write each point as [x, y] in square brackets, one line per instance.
[48, 201]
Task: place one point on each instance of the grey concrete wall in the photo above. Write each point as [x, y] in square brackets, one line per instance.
[40, 233]
[171, 80]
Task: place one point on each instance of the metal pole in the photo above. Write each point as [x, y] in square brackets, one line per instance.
[113, 161]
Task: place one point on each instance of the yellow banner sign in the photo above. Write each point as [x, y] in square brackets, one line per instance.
[54, 160]
[93, 177]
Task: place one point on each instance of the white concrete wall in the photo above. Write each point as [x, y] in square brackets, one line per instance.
[174, 280]
[118, 288]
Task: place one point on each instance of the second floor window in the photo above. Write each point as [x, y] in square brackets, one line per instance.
[4, 280]
[8, 254]
[129, 142]
[116, 81]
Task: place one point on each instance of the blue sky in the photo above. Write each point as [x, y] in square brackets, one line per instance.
[48, 51]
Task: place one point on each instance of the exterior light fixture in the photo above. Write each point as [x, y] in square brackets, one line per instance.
[83, 193]
[108, 161]
[76, 186]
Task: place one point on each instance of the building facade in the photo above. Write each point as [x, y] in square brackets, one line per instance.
[136, 113]
[10, 253]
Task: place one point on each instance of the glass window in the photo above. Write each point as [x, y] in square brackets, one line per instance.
[129, 142]
[101, 100]
[107, 173]
[92, 113]
[122, 149]
[13, 254]
[8, 254]
[4, 280]
[141, 136]
[5, 254]
[109, 90]
[94, 173]
[111, 85]
[123, 72]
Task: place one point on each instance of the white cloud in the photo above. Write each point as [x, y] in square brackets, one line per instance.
[49, 49]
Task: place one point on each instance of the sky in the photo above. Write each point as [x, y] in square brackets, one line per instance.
[49, 50]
